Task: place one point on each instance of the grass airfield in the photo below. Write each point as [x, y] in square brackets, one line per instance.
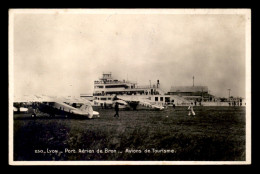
[214, 134]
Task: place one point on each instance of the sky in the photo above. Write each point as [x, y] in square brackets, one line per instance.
[63, 54]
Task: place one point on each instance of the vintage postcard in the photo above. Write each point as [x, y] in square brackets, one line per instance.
[129, 86]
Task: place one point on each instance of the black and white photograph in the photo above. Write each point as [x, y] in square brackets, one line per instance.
[129, 86]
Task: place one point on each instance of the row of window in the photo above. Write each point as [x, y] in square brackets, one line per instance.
[103, 98]
[167, 99]
[113, 86]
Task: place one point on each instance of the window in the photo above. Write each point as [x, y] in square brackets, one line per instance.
[161, 98]
[167, 99]
[156, 98]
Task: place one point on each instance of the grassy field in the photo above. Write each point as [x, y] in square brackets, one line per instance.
[214, 134]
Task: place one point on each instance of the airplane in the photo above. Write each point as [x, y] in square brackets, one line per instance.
[67, 106]
[133, 102]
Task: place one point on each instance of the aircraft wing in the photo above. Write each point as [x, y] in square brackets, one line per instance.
[32, 98]
[74, 100]
[121, 102]
[142, 101]
[45, 98]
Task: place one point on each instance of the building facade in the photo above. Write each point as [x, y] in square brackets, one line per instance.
[107, 85]
[197, 93]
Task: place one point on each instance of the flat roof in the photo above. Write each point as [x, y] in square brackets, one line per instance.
[189, 89]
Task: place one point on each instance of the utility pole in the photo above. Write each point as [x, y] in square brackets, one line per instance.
[193, 81]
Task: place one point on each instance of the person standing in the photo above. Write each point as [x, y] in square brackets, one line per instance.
[190, 109]
[35, 109]
[173, 105]
[166, 105]
[116, 109]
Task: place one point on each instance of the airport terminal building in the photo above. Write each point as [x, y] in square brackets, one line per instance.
[199, 93]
